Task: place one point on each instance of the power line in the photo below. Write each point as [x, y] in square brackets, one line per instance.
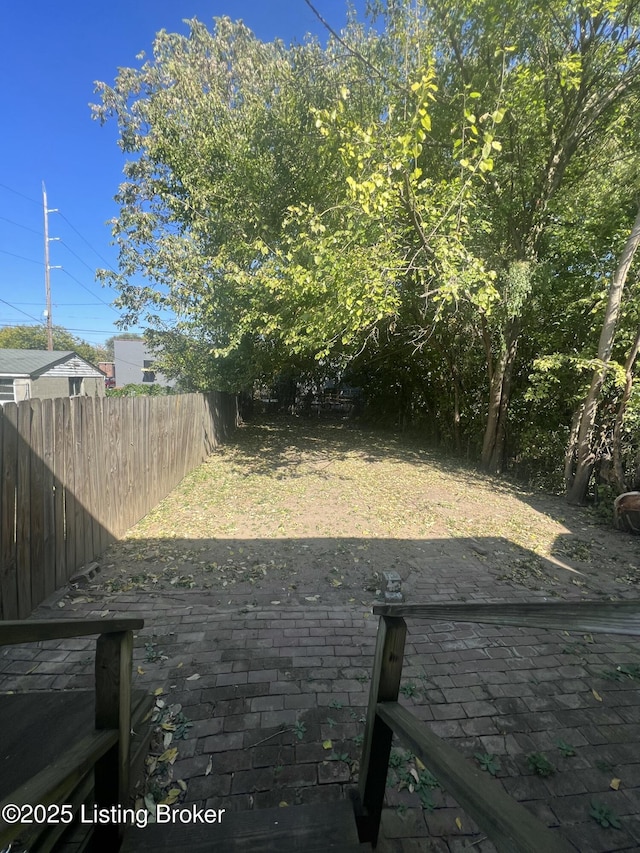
[66, 328]
[18, 225]
[95, 251]
[15, 192]
[21, 257]
[84, 287]
[84, 263]
[59, 304]
[20, 311]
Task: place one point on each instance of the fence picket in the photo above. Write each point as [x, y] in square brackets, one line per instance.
[48, 535]
[23, 511]
[58, 469]
[8, 485]
[69, 483]
[76, 473]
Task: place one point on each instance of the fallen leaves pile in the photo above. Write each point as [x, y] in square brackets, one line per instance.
[169, 726]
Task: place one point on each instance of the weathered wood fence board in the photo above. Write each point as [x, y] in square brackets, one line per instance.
[8, 485]
[23, 512]
[76, 473]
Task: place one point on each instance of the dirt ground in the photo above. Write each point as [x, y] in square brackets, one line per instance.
[295, 511]
[255, 578]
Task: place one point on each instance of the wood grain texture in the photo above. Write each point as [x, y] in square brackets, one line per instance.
[114, 654]
[385, 686]
[48, 497]
[8, 486]
[37, 630]
[609, 617]
[77, 472]
[54, 783]
[23, 510]
[36, 510]
[69, 483]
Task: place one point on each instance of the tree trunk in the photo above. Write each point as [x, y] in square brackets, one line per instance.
[456, 412]
[493, 414]
[570, 456]
[493, 445]
[584, 456]
[617, 428]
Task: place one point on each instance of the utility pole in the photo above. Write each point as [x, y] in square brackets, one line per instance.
[47, 267]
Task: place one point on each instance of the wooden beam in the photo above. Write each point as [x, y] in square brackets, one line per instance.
[606, 617]
[114, 656]
[22, 631]
[385, 686]
[56, 782]
[510, 826]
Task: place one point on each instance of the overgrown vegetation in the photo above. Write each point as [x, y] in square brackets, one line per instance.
[140, 390]
[438, 206]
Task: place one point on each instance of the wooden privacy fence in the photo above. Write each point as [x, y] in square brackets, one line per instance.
[77, 472]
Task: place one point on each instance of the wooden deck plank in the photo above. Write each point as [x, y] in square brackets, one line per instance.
[25, 718]
[294, 829]
[58, 780]
[24, 748]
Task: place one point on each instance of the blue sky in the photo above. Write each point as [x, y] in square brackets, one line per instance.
[51, 55]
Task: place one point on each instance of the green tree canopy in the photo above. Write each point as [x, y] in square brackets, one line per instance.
[423, 200]
[35, 337]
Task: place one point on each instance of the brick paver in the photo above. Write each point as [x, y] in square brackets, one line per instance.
[260, 714]
[266, 687]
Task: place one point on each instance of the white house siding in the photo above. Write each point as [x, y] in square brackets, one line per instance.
[49, 387]
[73, 367]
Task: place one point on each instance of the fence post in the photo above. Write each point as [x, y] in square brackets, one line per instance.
[114, 656]
[385, 686]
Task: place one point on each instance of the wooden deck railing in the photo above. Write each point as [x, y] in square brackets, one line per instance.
[92, 757]
[509, 825]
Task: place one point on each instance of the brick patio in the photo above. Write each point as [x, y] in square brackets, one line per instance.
[260, 676]
[276, 682]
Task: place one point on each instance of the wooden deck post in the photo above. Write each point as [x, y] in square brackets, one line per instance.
[385, 686]
[114, 656]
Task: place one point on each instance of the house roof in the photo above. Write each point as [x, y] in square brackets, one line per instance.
[31, 362]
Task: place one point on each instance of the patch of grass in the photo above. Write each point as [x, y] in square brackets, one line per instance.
[603, 815]
[540, 764]
[337, 704]
[622, 673]
[488, 762]
[299, 729]
[152, 653]
[565, 748]
[409, 690]
[396, 759]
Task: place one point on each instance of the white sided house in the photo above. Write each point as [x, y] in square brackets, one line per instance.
[27, 374]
